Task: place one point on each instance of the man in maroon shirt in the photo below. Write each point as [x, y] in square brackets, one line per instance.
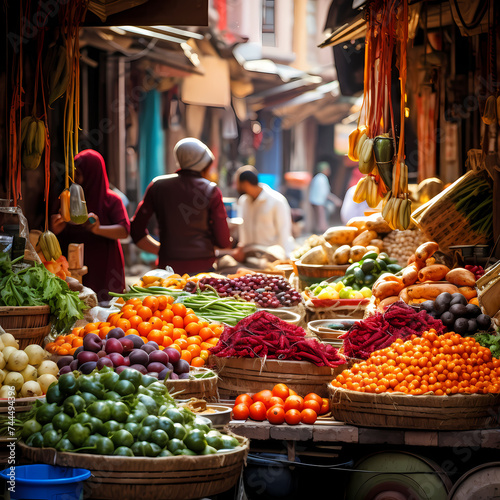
[190, 212]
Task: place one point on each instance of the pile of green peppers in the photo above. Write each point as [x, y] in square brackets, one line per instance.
[126, 414]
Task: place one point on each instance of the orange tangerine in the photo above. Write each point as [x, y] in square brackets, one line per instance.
[186, 355]
[198, 362]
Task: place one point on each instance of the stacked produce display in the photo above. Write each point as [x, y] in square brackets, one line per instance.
[124, 414]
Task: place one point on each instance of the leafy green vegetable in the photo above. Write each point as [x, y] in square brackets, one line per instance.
[491, 341]
[36, 286]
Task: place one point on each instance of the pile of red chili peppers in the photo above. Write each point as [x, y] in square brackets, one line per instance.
[263, 334]
[400, 321]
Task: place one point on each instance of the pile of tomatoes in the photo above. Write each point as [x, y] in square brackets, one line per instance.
[280, 405]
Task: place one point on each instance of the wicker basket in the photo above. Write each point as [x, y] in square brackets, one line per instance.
[440, 221]
[239, 375]
[456, 412]
[201, 388]
[129, 478]
[24, 317]
[29, 325]
[309, 274]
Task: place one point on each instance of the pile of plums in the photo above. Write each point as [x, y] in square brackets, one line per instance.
[120, 351]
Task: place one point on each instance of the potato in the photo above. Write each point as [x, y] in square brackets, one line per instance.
[341, 255]
[356, 253]
[316, 255]
[45, 381]
[31, 389]
[36, 354]
[17, 361]
[9, 339]
[7, 391]
[436, 272]
[410, 274]
[364, 238]
[29, 373]
[377, 243]
[340, 235]
[378, 224]
[329, 251]
[385, 303]
[429, 291]
[48, 367]
[461, 277]
[15, 379]
[2, 361]
[3, 374]
[371, 248]
[468, 292]
[7, 351]
[358, 222]
[426, 250]
[387, 289]
[2, 345]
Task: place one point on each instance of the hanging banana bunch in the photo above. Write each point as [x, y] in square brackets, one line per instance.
[356, 139]
[56, 68]
[32, 142]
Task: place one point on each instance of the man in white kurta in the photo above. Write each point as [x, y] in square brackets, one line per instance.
[267, 220]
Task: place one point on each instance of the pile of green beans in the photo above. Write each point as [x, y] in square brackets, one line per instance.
[209, 306]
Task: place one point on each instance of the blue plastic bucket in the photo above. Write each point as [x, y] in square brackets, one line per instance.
[44, 482]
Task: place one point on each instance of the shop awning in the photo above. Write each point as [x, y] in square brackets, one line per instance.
[323, 103]
[147, 13]
[176, 55]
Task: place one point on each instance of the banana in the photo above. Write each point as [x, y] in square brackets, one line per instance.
[40, 137]
[395, 213]
[387, 208]
[403, 178]
[359, 144]
[366, 158]
[360, 192]
[24, 126]
[30, 161]
[372, 195]
[30, 137]
[353, 141]
[57, 70]
[49, 245]
[386, 198]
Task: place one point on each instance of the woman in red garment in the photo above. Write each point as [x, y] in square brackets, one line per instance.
[102, 248]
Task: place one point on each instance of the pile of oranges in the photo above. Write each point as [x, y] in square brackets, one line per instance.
[66, 344]
[280, 405]
[442, 365]
[155, 319]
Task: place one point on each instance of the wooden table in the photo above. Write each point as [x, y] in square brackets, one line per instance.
[326, 430]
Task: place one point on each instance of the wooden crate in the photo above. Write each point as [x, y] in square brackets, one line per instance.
[130, 478]
[430, 412]
[240, 375]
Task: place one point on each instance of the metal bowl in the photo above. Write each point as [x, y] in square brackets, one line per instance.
[221, 417]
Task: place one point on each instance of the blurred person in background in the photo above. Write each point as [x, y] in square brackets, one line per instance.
[320, 195]
[102, 248]
[191, 216]
[266, 214]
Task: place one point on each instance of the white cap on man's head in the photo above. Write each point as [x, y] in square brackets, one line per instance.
[192, 154]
